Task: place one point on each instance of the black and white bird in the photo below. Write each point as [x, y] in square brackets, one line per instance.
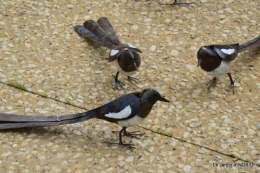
[127, 58]
[126, 111]
[215, 60]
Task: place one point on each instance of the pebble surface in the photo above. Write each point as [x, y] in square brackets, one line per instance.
[40, 50]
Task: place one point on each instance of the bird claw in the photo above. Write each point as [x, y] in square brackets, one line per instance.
[231, 87]
[212, 83]
[177, 3]
[129, 146]
[118, 83]
[131, 134]
[132, 79]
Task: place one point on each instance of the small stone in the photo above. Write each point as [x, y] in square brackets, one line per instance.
[20, 13]
[258, 126]
[186, 134]
[147, 20]
[32, 65]
[254, 152]
[190, 67]
[252, 76]
[198, 164]
[135, 27]
[40, 103]
[43, 111]
[27, 45]
[213, 106]
[224, 132]
[17, 34]
[186, 168]
[196, 124]
[98, 72]
[251, 131]
[27, 109]
[9, 107]
[10, 45]
[7, 154]
[167, 20]
[151, 149]
[212, 124]
[201, 151]
[121, 163]
[174, 52]
[129, 159]
[15, 163]
[70, 6]
[34, 13]
[152, 48]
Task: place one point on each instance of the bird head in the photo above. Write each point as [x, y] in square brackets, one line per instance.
[208, 59]
[129, 60]
[152, 96]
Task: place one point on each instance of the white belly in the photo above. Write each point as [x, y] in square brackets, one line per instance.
[222, 69]
[131, 122]
[123, 72]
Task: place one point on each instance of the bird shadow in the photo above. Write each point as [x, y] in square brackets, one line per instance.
[248, 57]
[46, 133]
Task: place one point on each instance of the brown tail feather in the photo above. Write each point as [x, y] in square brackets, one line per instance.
[13, 121]
[255, 43]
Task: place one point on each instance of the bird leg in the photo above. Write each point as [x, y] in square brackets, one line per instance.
[232, 84]
[177, 3]
[129, 146]
[118, 82]
[132, 79]
[212, 83]
[131, 134]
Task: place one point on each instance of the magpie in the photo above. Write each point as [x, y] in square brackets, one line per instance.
[127, 58]
[128, 110]
[215, 59]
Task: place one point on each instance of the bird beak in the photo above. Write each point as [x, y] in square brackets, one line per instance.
[199, 61]
[163, 99]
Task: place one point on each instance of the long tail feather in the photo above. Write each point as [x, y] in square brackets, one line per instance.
[13, 121]
[255, 43]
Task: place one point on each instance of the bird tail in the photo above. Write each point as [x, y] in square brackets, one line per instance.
[255, 43]
[13, 121]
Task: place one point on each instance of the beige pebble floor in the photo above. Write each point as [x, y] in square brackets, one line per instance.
[193, 133]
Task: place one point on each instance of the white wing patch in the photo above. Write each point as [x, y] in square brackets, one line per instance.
[228, 51]
[120, 115]
[113, 52]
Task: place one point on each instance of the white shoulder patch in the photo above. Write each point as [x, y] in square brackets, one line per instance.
[113, 52]
[120, 115]
[228, 51]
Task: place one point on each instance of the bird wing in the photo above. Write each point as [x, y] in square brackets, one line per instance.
[227, 52]
[104, 23]
[94, 32]
[122, 108]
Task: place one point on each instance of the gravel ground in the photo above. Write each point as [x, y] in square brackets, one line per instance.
[41, 51]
